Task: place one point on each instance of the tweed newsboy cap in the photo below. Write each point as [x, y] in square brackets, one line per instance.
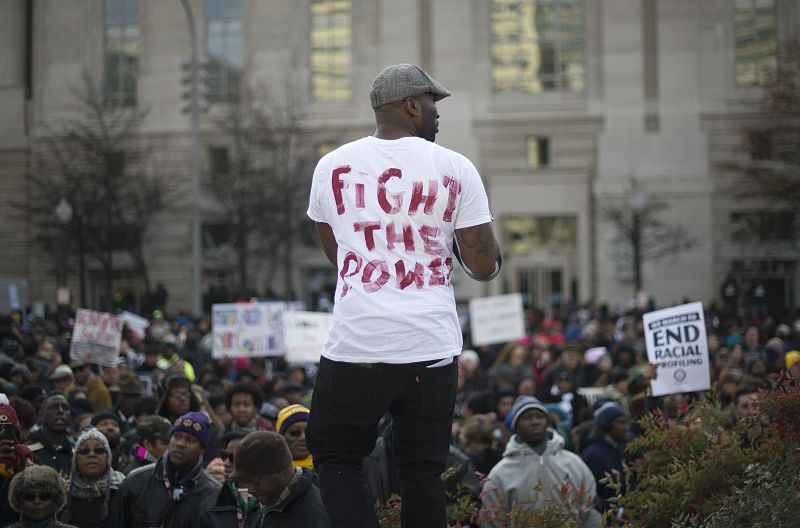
[261, 453]
[397, 82]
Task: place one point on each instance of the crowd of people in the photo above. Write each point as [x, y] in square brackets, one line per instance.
[171, 436]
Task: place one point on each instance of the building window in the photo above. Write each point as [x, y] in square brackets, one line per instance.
[331, 50]
[761, 144]
[538, 152]
[121, 56]
[224, 49]
[537, 46]
[523, 234]
[762, 226]
[220, 160]
[756, 31]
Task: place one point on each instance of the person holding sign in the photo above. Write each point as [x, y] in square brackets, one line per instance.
[389, 209]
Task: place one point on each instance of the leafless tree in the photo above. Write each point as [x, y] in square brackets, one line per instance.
[773, 171]
[96, 161]
[644, 232]
[261, 193]
[768, 181]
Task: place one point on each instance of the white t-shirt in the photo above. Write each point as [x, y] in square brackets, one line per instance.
[393, 206]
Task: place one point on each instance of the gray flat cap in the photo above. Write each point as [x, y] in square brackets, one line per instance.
[397, 82]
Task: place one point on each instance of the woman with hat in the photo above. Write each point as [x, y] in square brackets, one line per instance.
[93, 482]
[38, 493]
[291, 424]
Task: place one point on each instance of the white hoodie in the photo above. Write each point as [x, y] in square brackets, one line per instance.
[514, 478]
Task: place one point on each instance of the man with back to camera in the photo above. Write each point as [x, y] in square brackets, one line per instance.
[388, 209]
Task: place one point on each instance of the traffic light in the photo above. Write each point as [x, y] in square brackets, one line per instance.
[186, 87]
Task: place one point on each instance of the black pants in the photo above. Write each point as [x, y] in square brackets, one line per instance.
[349, 400]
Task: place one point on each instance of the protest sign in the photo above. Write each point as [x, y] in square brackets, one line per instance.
[96, 337]
[248, 329]
[305, 335]
[137, 324]
[676, 343]
[496, 319]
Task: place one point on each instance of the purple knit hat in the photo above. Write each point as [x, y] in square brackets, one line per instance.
[196, 424]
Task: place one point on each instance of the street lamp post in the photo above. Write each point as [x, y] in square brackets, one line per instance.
[637, 203]
[196, 300]
[63, 212]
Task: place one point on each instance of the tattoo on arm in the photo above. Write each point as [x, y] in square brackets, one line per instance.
[479, 239]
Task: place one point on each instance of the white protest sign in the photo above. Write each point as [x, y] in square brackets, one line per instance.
[137, 324]
[676, 343]
[13, 297]
[305, 335]
[248, 329]
[96, 337]
[496, 319]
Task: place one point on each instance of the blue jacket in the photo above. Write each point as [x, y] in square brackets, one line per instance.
[603, 457]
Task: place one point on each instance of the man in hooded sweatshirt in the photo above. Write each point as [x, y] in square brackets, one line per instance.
[536, 468]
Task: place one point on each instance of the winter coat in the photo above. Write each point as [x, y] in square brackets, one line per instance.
[303, 507]
[514, 478]
[86, 513]
[45, 453]
[98, 394]
[603, 457]
[56, 524]
[143, 501]
[224, 513]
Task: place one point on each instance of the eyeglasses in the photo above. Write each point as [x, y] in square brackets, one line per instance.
[44, 496]
[226, 455]
[294, 433]
[96, 451]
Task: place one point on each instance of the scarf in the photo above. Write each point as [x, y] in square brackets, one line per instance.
[81, 490]
[253, 424]
[19, 460]
[307, 462]
[245, 506]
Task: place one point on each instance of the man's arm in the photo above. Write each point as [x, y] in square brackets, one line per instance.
[479, 249]
[328, 240]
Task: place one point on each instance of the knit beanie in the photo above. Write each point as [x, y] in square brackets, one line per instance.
[8, 416]
[522, 404]
[607, 413]
[105, 415]
[291, 415]
[791, 358]
[196, 424]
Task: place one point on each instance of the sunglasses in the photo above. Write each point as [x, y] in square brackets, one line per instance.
[96, 451]
[44, 496]
[226, 455]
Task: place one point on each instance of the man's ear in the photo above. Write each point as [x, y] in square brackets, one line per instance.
[412, 106]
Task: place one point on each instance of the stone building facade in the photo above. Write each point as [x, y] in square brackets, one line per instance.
[561, 104]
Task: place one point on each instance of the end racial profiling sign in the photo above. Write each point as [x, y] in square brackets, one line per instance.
[676, 343]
